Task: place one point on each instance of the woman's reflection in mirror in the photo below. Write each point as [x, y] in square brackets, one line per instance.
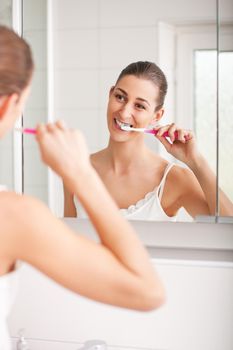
[144, 185]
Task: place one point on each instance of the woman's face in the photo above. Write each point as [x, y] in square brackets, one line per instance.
[132, 101]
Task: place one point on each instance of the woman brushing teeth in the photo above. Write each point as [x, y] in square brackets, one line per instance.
[143, 184]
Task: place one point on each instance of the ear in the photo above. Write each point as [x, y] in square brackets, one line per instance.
[157, 116]
[6, 103]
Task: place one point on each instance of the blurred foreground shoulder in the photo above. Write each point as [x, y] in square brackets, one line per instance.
[16, 205]
[19, 212]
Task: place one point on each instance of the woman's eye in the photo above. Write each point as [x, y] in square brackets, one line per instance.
[139, 106]
[120, 97]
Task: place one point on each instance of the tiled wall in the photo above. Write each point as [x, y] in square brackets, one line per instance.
[93, 41]
[6, 12]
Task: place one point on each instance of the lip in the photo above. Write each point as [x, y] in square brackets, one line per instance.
[117, 123]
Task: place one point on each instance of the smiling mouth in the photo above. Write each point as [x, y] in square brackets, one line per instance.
[121, 125]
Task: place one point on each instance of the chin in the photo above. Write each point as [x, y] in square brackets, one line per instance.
[117, 134]
[118, 137]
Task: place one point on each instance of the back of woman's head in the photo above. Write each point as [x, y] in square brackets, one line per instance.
[148, 71]
[16, 63]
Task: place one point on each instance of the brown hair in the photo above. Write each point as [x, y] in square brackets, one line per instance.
[149, 71]
[16, 63]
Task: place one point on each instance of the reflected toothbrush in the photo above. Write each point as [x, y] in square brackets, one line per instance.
[144, 130]
[26, 130]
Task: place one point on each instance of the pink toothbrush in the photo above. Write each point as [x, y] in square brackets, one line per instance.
[147, 131]
[26, 130]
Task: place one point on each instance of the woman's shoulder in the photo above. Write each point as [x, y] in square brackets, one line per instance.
[181, 171]
[178, 184]
[182, 176]
[24, 221]
[98, 159]
[98, 155]
[16, 207]
[15, 212]
[10, 199]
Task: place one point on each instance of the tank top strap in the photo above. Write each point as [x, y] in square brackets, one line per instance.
[162, 182]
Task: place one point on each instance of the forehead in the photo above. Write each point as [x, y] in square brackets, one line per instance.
[138, 87]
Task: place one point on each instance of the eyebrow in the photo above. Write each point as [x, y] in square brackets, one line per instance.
[137, 98]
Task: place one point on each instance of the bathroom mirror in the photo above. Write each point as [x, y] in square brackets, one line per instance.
[225, 93]
[81, 46]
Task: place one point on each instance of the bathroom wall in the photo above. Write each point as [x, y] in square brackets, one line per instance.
[35, 32]
[6, 12]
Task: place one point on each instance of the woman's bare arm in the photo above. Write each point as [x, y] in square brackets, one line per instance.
[199, 187]
[116, 272]
[190, 195]
[207, 181]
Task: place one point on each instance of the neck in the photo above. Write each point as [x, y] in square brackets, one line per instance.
[124, 156]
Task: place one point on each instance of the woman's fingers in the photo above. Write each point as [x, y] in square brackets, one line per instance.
[181, 135]
[171, 132]
[40, 130]
[174, 133]
[61, 125]
[169, 129]
[189, 135]
[162, 129]
[164, 141]
[51, 127]
[180, 143]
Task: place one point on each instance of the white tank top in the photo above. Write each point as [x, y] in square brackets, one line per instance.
[149, 208]
[8, 291]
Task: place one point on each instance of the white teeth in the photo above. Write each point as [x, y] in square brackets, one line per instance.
[121, 124]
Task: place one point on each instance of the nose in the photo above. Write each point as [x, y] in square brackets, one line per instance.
[126, 112]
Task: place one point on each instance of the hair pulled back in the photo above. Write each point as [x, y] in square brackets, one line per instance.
[148, 71]
[16, 62]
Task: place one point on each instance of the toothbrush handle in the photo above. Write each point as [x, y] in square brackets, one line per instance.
[29, 131]
[165, 134]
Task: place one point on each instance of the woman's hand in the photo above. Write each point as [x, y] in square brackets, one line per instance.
[64, 150]
[182, 143]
